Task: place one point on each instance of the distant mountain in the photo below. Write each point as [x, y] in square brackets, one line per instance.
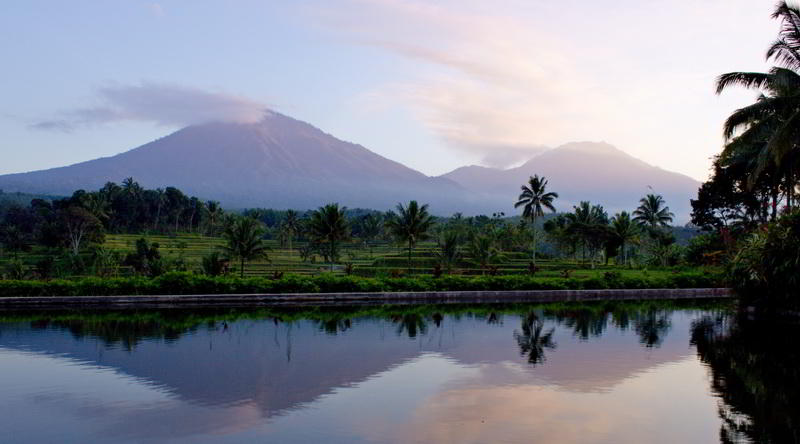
[592, 171]
[281, 162]
[278, 162]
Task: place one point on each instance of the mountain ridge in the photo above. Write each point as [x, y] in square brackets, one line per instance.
[282, 162]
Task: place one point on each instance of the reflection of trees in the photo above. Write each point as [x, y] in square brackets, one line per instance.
[126, 333]
[755, 371]
[534, 339]
[410, 323]
[335, 326]
[652, 327]
[584, 323]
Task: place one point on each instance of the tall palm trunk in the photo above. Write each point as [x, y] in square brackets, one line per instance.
[330, 258]
[533, 224]
[409, 257]
[241, 270]
[158, 217]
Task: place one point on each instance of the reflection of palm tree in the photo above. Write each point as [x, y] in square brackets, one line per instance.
[652, 327]
[335, 326]
[410, 324]
[533, 339]
[585, 324]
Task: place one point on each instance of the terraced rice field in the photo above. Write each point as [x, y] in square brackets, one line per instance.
[383, 258]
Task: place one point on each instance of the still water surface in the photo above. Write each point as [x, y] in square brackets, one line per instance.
[621, 374]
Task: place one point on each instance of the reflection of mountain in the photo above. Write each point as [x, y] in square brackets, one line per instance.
[279, 366]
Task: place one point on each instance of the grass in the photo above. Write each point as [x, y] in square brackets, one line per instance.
[381, 259]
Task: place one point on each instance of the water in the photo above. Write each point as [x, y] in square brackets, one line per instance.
[615, 374]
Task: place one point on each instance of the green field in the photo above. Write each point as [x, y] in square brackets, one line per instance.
[380, 259]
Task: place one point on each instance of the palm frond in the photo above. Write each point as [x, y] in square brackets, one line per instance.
[749, 80]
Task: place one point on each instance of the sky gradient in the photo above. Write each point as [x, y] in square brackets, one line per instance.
[432, 84]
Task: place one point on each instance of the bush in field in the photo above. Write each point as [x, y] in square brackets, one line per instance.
[214, 264]
[766, 270]
[145, 259]
[705, 249]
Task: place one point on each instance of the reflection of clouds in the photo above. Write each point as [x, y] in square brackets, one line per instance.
[632, 412]
[464, 380]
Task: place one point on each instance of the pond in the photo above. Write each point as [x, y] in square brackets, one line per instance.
[599, 373]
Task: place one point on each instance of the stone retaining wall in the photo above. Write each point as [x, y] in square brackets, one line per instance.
[350, 299]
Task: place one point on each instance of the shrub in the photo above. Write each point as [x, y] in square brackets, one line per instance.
[766, 269]
[189, 283]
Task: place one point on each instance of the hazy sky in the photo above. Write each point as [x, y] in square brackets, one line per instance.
[432, 84]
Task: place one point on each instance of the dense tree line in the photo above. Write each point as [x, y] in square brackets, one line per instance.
[749, 207]
[74, 227]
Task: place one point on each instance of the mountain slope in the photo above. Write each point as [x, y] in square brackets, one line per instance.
[278, 162]
[281, 162]
[597, 172]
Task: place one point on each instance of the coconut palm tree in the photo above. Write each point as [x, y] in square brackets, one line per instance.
[625, 230]
[245, 241]
[372, 227]
[214, 214]
[161, 199]
[773, 122]
[410, 225]
[483, 251]
[534, 198]
[329, 225]
[291, 226]
[449, 249]
[653, 212]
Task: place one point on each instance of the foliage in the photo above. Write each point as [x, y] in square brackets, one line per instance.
[146, 259]
[189, 283]
[329, 227]
[411, 224]
[533, 199]
[244, 241]
[449, 249]
[706, 249]
[766, 269]
[214, 264]
[483, 251]
[652, 212]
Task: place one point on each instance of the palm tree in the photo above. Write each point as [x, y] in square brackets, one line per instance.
[773, 122]
[161, 199]
[97, 204]
[483, 251]
[625, 230]
[291, 226]
[449, 249]
[244, 241]
[652, 212]
[410, 225]
[534, 199]
[214, 213]
[586, 223]
[372, 227]
[329, 225]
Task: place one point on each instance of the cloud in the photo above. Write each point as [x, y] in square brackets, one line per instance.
[521, 74]
[498, 89]
[156, 9]
[161, 104]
